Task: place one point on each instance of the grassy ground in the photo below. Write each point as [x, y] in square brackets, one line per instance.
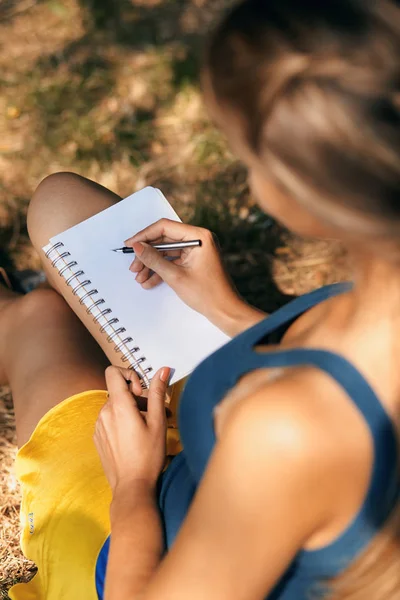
[109, 89]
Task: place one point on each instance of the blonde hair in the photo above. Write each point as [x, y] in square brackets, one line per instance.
[317, 86]
[375, 575]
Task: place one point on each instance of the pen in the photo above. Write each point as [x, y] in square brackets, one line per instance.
[165, 246]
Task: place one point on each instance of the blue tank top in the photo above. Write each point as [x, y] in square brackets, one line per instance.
[208, 385]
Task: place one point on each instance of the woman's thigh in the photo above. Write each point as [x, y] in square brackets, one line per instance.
[61, 201]
[47, 356]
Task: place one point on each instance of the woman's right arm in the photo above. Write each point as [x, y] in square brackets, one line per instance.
[197, 275]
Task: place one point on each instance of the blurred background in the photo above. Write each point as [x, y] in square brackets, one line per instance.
[110, 89]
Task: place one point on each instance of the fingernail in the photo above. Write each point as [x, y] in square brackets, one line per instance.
[138, 248]
[164, 375]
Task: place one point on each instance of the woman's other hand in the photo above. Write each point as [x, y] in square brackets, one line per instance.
[131, 444]
[197, 275]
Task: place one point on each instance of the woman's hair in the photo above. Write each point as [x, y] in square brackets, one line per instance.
[375, 575]
[316, 87]
[316, 84]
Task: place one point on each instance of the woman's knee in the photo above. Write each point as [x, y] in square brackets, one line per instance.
[63, 200]
[51, 204]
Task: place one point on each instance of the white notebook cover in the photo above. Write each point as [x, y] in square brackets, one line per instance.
[168, 332]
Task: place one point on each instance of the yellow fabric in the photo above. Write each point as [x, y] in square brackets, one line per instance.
[66, 499]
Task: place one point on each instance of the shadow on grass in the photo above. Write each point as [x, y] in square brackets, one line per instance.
[248, 240]
[140, 25]
[68, 84]
[62, 99]
[9, 9]
[133, 133]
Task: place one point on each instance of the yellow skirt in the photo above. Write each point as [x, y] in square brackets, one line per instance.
[65, 500]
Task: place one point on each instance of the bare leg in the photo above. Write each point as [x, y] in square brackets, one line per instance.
[61, 201]
[46, 355]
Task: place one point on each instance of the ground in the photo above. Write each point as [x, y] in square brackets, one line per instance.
[110, 89]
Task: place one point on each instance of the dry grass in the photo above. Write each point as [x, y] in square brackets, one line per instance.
[14, 566]
[109, 89]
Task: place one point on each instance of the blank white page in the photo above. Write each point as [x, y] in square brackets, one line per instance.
[168, 332]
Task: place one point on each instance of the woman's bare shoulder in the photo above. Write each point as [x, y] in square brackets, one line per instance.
[305, 419]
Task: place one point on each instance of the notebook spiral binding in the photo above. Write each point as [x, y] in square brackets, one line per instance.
[62, 261]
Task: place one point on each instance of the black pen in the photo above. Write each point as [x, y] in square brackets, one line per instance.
[165, 246]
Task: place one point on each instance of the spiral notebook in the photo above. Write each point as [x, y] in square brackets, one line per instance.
[148, 328]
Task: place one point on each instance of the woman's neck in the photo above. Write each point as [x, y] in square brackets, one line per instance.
[376, 284]
[372, 307]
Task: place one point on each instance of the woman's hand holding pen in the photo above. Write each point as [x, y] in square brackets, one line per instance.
[197, 275]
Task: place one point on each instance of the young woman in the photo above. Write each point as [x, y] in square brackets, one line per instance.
[288, 484]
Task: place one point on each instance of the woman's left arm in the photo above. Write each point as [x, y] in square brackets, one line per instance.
[136, 542]
[131, 445]
[260, 500]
